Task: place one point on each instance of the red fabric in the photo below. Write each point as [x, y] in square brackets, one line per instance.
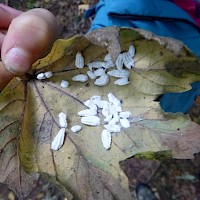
[190, 7]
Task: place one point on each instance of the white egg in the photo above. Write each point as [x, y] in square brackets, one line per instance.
[62, 119]
[76, 128]
[58, 140]
[124, 122]
[113, 128]
[79, 61]
[109, 64]
[131, 51]
[80, 78]
[64, 84]
[122, 81]
[41, 76]
[87, 112]
[113, 99]
[91, 120]
[48, 74]
[99, 72]
[107, 57]
[119, 62]
[96, 65]
[125, 114]
[102, 80]
[128, 60]
[106, 139]
[91, 75]
[119, 73]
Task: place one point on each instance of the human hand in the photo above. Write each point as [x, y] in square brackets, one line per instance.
[24, 38]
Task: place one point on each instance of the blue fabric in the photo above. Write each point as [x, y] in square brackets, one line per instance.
[112, 12]
[180, 102]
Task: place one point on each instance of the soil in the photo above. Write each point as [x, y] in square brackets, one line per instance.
[169, 179]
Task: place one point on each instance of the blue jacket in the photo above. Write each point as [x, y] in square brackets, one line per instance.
[162, 17]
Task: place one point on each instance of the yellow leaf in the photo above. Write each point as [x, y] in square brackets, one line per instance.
[82, 166]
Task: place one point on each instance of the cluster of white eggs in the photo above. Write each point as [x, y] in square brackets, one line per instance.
[114, 117]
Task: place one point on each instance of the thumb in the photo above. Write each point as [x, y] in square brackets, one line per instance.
[29, 37]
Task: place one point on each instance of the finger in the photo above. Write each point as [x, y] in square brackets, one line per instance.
[5, 76]
[29, 36]
[7, 14]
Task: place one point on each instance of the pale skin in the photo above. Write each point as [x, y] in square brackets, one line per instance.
[24, 38]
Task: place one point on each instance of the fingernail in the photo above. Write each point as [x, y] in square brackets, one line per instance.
[17, 61]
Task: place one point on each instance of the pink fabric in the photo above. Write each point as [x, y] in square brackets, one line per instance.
[190, 7]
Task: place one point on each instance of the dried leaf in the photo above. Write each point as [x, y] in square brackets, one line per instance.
[12, 103]
[29, 110]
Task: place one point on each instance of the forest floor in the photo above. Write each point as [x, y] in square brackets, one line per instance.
[170, 179]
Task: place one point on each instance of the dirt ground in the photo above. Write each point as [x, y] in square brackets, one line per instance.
[170, 179]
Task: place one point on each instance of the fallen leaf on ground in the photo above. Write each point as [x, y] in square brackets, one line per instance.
[29, 112]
